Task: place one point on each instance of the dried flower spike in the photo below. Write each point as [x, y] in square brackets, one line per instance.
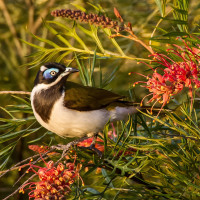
[98, 20]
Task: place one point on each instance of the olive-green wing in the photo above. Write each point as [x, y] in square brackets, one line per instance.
[84, 98]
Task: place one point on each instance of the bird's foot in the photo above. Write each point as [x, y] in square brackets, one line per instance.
[65, 147]
[92, 147]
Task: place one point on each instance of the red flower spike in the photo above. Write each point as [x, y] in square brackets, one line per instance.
[88, 142]
[70, 166]
[54, 181]
[60, 167]
[50, 164]
[176, 75]
[39, 149]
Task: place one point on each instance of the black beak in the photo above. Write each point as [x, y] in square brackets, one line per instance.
[70, 70]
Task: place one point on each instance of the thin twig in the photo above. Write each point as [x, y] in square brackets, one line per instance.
[15, 92]
[42, 156]
[134, 38]
[27, 172]
[16, 166]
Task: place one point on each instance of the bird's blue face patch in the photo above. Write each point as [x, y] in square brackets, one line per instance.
[50, 73]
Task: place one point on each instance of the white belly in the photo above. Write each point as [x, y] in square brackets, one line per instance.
[71, 123]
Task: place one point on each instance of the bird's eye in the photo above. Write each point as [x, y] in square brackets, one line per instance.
[50, 73]
[53, 73]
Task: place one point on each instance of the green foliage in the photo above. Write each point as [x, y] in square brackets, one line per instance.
[168, 160]
[46, 54]
[14, 129]
[145, 159]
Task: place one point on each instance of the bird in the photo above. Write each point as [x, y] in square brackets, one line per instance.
[72, 110]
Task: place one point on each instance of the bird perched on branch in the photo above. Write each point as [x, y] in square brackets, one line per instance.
[73, 110]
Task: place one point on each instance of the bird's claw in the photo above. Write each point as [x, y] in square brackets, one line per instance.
[92, 147]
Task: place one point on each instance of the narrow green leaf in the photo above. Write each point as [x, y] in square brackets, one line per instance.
[7, 148]
[7, 113]
[108, 33]
[159, 4]
[34, 45]
[59, 58]
[39, 138]
[52, 30]
[182, 11]
[96, 38]
[22, 100]
[175, 34]
[70, 32]
[3, 165]
[79, 7]
[82, 76]
[95, 7]
[9, 136]
[45, 40]
[92, 190]
[107, 178]
[105, 134]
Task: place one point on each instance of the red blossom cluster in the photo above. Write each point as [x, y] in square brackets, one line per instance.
[87, 142]
[100, 145]
[54, 181]
[39, 149]
[175, 77]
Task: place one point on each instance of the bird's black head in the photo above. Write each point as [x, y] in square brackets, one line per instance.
[53, 72]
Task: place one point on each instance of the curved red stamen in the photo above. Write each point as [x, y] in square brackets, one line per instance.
[144, 98]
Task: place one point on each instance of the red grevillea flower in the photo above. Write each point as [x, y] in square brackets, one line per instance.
[39, 149]
[99, 142]
[55, 181]
[87, 142]
[175, 77]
